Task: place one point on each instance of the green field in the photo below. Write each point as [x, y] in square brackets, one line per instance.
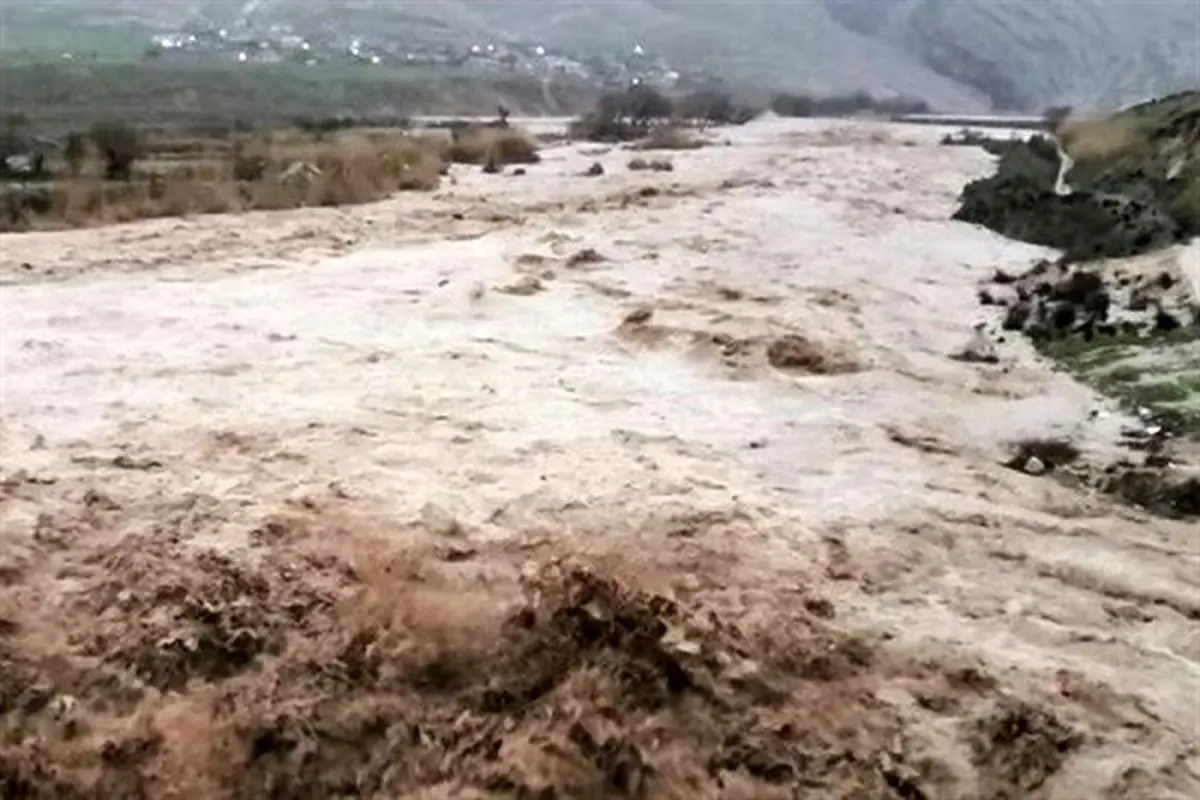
[57, 97]
[37, 33]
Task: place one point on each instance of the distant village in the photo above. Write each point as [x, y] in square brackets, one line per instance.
[241, 43]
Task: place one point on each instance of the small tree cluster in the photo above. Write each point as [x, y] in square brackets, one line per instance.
[714, 107]
[634, 112]
[323, 126]
[787, 104]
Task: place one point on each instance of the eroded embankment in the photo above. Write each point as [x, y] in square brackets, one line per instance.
[1129, 328]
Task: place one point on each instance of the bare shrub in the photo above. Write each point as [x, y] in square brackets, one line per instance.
[250, 161]
[1099, 138]
[260, 173]
[75, 152]
[623, 116]
[493, 145]
[119, 145]
[787, 104]
[714, 107]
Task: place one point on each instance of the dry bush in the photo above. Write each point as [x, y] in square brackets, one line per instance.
[75, 153]
[787, 104]
[1087, 139]
[273, 172]
[495, 146]
[120, 145]
[355, 169]
[670, 137]
[83, 202]
[714, 107]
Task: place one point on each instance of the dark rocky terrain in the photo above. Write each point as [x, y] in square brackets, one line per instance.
[1112, 309]
[1134, 188]
[1135, 336]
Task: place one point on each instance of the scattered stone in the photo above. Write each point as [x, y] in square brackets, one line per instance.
[126, 461]
[524, 286]
[1034, 466]
[653, 165]
[1039, 456]
[595, 170]
[1165, 322]
[440, 521]
[639, 316]
[588, 255]
[977, 351]
[1017, 317]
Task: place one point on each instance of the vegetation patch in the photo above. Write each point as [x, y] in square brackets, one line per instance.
[1158, 373]
[1134, 183]
[59, 97]
[494, 146]
[789, 104]
[118, 173]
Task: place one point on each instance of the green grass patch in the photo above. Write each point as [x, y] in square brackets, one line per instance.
[1155, 372]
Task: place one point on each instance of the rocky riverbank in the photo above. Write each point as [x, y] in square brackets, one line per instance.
[1134, 184]
[1131, 329]
[1119, 309]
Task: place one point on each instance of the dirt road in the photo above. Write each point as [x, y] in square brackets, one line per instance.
[728, 383]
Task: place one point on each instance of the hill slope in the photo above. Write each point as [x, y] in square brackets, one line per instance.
[959, 55]
[1082, 52]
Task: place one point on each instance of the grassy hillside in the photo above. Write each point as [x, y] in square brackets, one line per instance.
[1135, 181]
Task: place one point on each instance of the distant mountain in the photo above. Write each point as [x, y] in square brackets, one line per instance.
[1035, 53]
[958, 54]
